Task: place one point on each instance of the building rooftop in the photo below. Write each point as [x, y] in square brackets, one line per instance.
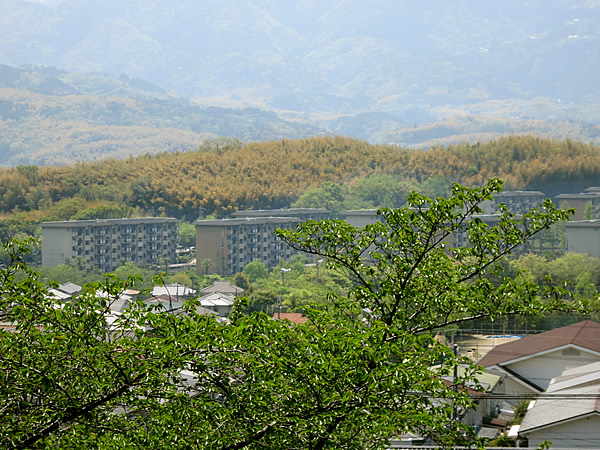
[296, 318]
[561, 407]
[278, 212]
[83, 223]
[361, 212]
[584, 334]
[518, 193]
[217, 299]
[593, 223]
[245, 220]
[222, 286]
[581, 195]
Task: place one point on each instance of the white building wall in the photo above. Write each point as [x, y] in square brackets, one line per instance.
[541, 369]
[582, 433]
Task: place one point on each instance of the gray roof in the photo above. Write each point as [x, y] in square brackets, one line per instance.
[581, 195]
[244, 221]
[104, 222]
[578, 377]
[69, 288]
[217, 299]
[563, 406]
[518, 193]
[222, 286]
[279, 212]
[594, 223]
[173, 290]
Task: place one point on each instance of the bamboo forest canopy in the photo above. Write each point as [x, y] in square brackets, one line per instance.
[225, 176]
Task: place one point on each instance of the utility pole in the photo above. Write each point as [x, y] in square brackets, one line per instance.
[283, 271]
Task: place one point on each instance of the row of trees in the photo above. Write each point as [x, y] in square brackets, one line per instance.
[358, 373]
[224, 178]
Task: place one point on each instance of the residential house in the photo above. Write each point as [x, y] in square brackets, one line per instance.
[529, 364]
[175, 291]
[224, 287]
[218, 302]
[569, 414]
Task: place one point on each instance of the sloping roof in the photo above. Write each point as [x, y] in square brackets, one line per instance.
[58, 294]
[217, 299]
[296, 318]
[550, 411]
[578, 377]
[584, 334]
[174, 290]
[222, 286]
[69, 288]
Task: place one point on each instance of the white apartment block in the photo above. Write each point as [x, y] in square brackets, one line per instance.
[107, 243]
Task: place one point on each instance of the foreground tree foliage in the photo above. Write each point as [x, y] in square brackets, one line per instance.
[359, 372]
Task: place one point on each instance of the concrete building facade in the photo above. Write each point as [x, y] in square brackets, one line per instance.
[230, 244]
[518, 202]
[107, 243]
[579, 201]
[583, 236]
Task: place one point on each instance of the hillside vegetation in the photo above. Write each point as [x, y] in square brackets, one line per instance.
[51, 117]
[228, 177]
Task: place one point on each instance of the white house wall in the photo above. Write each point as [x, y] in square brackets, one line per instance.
[542, 368]
[582, 433]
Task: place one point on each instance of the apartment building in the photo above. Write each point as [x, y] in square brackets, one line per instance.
[583, 236]
[230, 244]
[518, 202]
[579, 202]
[107, 243]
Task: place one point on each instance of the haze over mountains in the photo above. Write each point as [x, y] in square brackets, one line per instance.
[356, 67]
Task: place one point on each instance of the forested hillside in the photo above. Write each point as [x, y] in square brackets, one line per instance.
[229, 176]
[51, 117]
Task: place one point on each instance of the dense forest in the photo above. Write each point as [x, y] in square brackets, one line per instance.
[224, 175]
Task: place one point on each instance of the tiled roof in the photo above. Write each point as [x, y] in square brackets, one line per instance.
[222, 286]
[296, 318]
[584, 334]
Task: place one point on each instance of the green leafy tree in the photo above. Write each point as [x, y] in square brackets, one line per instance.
[256, 270]
[588, 211]
[241, 280]
[328, 195]
[377, 191]
[187, 234]
[76, 376]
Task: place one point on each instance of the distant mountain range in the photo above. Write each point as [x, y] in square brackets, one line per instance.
[343, 56]
[380, 70]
